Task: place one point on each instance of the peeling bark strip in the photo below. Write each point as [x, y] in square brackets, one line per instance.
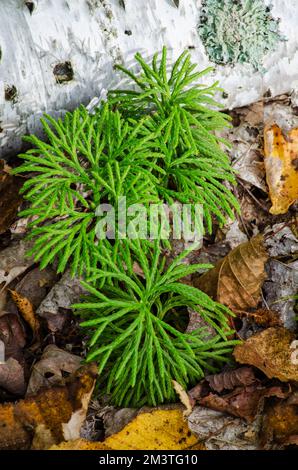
[92, 35]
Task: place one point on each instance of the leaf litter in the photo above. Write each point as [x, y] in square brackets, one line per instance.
[250, 404]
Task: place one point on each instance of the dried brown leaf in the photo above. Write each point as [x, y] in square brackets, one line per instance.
[270, 351]
[236, 280]
[228, 380]
[255, 114]
[65, 292]
[221, 431]
[280, 425]
[244, 402]
[262, 317]
[12, 334]
[52, 368]
[12, 377]
[51, 416]
[36, 284]
[10, 199]
[14, 261]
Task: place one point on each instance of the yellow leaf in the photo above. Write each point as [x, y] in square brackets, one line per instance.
[281, 164]
[158, 429]
[26, 309]
[49, 417]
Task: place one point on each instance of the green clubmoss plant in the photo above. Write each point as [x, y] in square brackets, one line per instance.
[85, 161]
[133, 337]
[155, 144]
[195, 167]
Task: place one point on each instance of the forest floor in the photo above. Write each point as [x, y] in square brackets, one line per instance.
[47, 398]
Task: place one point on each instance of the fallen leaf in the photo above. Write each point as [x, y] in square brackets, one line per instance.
[12, 334]
[80, 444]
[220, 431]
[52, 369]
[279, 290]
[66, 292]
[10, 199]
[239, 393]
[228, 380]
[236, 280]
[184, 398]
[14, 261]
[115, 419]
[280, 240]
[281, 110]
[157, 429]
[246, 152]
[280, 425]
[234, 235]
[27, 311]
[36, 284]
[281, 164]
[270, 351]
[12, 377]
[262, 317]
[255, 114]
[49, 417]
[243, 402]
[20, 226]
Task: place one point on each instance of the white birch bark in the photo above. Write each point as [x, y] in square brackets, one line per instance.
[89, 36]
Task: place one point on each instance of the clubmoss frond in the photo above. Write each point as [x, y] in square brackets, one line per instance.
[194, 164]
[133, 336]
[87, 160]
[154, 145]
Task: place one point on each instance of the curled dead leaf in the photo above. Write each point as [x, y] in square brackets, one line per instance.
[281, 164]
[10, 199]
[236, 280]
[244, 402]
[220, 431]
[228, 380]
[12, 377]
[25, 307]
[184, 398]
[270, 351]
[262, 317]
[280, 425]
[52, 369]
[51, 416]
[239, 393]
[12, 334]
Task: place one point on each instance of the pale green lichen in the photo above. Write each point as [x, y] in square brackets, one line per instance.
[238, 31]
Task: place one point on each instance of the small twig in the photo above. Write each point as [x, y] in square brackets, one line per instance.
[252, 195]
